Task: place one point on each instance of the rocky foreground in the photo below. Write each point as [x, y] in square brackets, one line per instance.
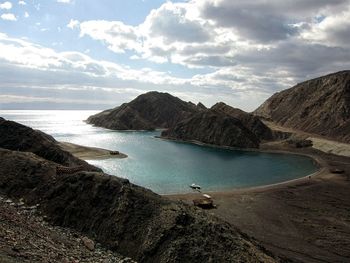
[122, 217]
[320, 106]
[26, 236]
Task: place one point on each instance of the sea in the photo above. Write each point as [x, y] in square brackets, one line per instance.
[166, 167]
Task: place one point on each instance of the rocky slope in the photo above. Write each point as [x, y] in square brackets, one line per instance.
[18, 137]
[147, 112]
[213, 127]
[121, 216]
[320, 106]
[250, 121]
[26, 237]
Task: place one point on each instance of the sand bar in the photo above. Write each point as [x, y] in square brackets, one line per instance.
[89, 153]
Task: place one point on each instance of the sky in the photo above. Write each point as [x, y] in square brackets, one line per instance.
[81, 54]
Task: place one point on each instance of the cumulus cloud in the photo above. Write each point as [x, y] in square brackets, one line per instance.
[215, 33]
[6, 5]
[332, 30]
[172, 23]
[118, 36]
[8, 17]
[22, 3]
[238, 51]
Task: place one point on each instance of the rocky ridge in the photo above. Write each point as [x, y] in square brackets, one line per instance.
[147, 112]
[250, 121]
[213, 127]
[320, 106]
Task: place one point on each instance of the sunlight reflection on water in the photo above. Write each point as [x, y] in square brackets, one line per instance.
[164, 166]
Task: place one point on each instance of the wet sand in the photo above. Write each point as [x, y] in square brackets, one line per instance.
[305, 220]
[89, 153]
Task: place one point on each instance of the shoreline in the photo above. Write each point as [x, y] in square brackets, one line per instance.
[297, 218]
[320, 163]
[89, 153]
[323, 170]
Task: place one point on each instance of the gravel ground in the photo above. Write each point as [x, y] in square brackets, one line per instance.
[25, 236]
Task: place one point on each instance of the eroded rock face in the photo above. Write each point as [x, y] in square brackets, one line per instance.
[126, 218]
[18, 137]
[249, 120]
[213, 127]
[320, 106]
[147, 112]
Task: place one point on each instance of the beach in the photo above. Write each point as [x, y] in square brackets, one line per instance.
[89, 153]
[305, 219]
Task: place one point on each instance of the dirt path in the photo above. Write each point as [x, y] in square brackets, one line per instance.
[321, 143]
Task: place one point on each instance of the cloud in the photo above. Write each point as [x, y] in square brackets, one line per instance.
[8, 17]
[332, 30]
[165, 36]
[22, 54]
[73, 24]
[22, 3]
[6, 5]
[237, 51]
[172, 23]
[265, 21]
[215, 33]
[65, 1]
[118, 36]
[26, 14]
[35, 99]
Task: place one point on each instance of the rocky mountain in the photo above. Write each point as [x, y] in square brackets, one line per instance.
[213, 127]
[147, 112]
[320, 106]
[249, 120]
[121, 216]
[18, 137]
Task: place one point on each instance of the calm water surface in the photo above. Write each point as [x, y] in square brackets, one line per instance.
[164, 166]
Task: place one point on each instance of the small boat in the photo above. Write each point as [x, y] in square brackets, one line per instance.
[207, 196]
[195, 186]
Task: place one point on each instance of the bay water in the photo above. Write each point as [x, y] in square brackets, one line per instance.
[166, 166]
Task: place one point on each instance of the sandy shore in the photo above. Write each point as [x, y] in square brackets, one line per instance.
[89, 153]
[306, 219]
[329, 146]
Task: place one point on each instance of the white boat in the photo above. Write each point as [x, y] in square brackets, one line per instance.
[195, 186]
[207, 196]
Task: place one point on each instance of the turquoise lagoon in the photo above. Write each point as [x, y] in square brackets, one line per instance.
[165, 166]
